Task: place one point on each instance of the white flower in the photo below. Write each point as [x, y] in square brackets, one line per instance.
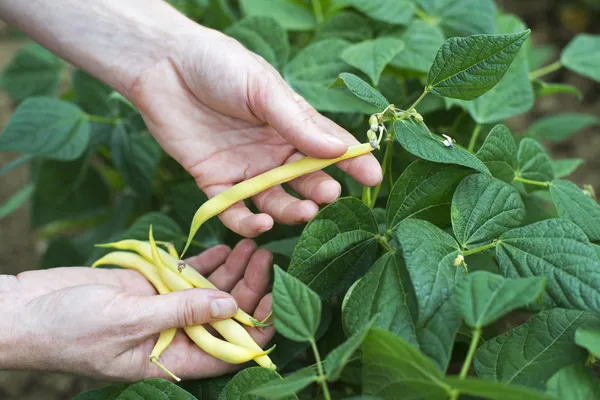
[449, 142]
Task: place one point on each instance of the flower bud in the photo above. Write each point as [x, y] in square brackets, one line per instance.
[459, 260]
[374, 127]
[373, 120]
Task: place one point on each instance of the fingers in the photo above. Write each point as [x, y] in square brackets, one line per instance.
[263, 336]
[317, 186]
[184, 308]
[232, 271]
[239, 218]
[272, 100]
[207, 261]
[251, 289]
[283, 207]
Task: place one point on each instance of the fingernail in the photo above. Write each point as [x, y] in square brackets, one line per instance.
[222, 308]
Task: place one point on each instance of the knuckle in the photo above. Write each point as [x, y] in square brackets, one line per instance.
[190, 314]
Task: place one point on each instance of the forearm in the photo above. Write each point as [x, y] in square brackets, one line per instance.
[114, 40]
[10, 342]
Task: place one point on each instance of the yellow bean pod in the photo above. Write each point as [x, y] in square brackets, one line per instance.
[149, 271]
[185, 271]
[253, 186]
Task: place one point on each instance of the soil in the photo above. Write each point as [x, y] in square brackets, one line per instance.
[552, 21]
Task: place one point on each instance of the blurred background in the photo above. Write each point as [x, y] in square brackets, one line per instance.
[553, 22]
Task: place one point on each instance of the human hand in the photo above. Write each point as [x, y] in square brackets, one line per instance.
[104, 323]
[226, 115]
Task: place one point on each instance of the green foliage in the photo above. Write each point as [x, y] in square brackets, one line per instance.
[374, 300]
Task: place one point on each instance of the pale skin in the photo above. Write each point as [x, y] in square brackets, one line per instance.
[225, 115]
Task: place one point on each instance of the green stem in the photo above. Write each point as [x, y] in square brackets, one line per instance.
[548, 69]
[366, 195]
[385, 244]
[318, 11]
[531, 182]
[467, 364]
[16, 163]
[414, 105]
[323, 378]
[474, 137]
[480, 249]
[101, 119]
[386, 169]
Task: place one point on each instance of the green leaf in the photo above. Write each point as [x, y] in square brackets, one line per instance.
[387, 292]
[346, 25]
[513, 95]
[589, 339]
[284, 246]
[532, 352]
[499, 153]
[582, 55]
[62, 252]
[421, 44]
[263, 36]
[423, 191]
[483, 208]
[559, 127]
[461, 17]
[392, 366]
[34, 71]
[155, 389]
[313, 69]
[429, 254]
[416, 138]
[290, 384]
[543, 89]
[372, 56]
[484, 297]
[564, 168]
[163, 228]
[106, 393]
[494, 391]
[338, 358]
[16, 200]
[136, 157]
[291, 16]
[574, 205]
[246, 380]
[398, 12]
[466, 68]
[47, 127]
[92, 95]
[533, 162]
[362, 90]
[336, 247]
[558, 250]
[296, 308]
[575, 382]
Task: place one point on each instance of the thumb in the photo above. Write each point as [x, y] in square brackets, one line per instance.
[290, 115]
[185, 308]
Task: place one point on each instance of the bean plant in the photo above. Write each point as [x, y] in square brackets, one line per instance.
[472, 271]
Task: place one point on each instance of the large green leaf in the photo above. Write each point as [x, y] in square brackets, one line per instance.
[484, 297]
[560, 251]
[290, 384]
[573, 204]
[575, 382]
[372, 56]
[421, 43]
[559, 127]
[483, 388]
[392, 366]
[47, 127]
[265, 37]
[387, 292]
[416, 138]
[589, 339]
[346, 25]
[296, 308]
[461, 17]
[565, 167]
[336, 247]
[246, 380]
[466, 68]
[290, 15]
[429, 254]
[423, 191]
[362, 90]
[154, 389]
[34, 71]
[105, 393]
[483, 208]
[391, 11]
[533, 162]
[532, 352]
[92, 95]
[499, 153]
[16, 200]
[582, 55]
[313, 69]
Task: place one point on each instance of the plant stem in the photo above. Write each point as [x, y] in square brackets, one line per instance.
[474, 137]
[323, 378]
[101, 119]
[318, 11]
[531, 182]
[366, 195]
[467, 364]
[548, 69]
[482, 248]
[414, 105]
[387, 166]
